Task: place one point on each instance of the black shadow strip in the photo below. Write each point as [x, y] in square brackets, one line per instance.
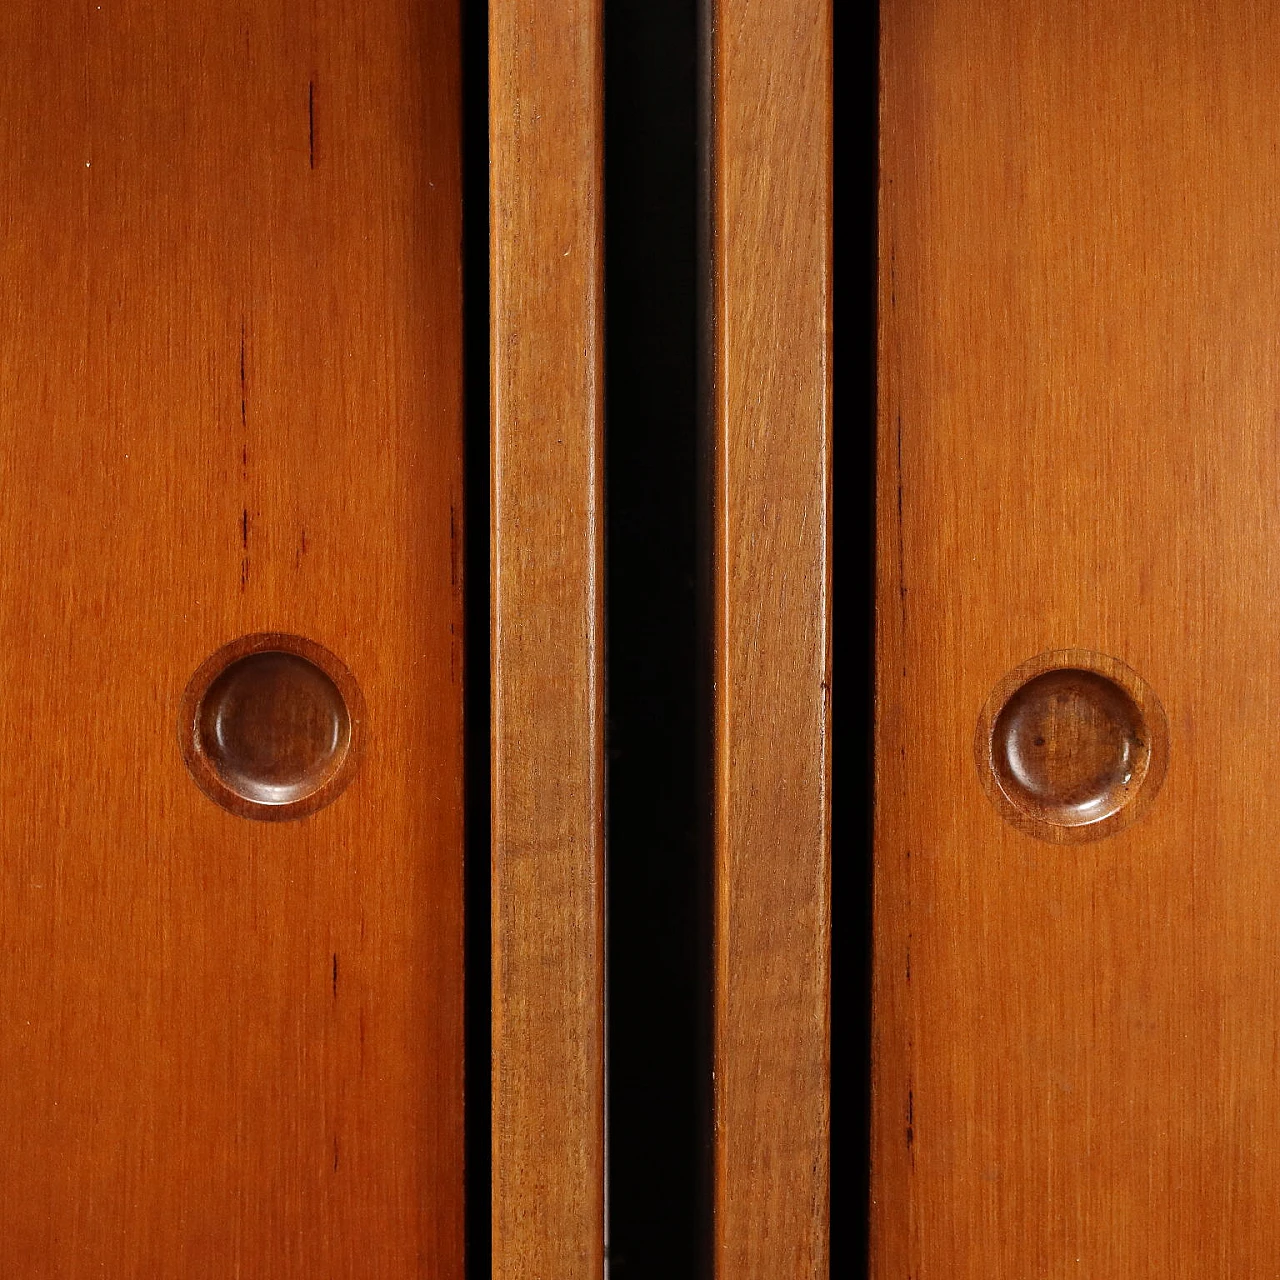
[854, 455]
[654, 964]
[475, 268]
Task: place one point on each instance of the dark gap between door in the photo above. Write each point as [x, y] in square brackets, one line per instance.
[854, 524]
[656, 974]
[475, 331]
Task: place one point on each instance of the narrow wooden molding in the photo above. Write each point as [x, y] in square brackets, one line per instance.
[769, 104]
[547, 636]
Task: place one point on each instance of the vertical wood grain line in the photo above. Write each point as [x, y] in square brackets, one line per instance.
[769, 116]
[546, 97]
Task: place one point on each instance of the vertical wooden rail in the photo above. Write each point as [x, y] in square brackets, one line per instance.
[548, 960]
[769, 102]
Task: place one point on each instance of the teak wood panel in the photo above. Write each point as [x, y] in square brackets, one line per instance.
[546, 210]
[769, 100]
[229, 403]
[1077, 1046]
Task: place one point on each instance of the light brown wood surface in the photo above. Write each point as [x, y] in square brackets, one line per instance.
[229, 403]
[547, 639]
[769, 99]
[1077, 1045]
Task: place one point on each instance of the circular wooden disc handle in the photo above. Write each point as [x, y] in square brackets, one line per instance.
[1072, 745]
[272, 726]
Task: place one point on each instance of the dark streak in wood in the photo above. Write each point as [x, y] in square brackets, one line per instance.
[453, 547]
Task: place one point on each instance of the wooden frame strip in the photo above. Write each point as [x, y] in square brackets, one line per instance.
[770, 122]
[546, 102]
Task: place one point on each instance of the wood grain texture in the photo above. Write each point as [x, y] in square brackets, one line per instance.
[547, 639]
[770, 261]
[1076, 1046]
[230, 370]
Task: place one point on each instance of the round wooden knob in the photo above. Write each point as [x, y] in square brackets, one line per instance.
[1072, 746]
[270, 726]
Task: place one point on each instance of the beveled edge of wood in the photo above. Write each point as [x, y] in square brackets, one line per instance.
[766, 162]
[1146, 787]
[547, 635]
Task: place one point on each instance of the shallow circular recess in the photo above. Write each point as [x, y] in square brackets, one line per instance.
[1072, 746]
[271, 726]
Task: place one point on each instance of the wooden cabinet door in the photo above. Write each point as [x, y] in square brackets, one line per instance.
[230, 415]
[1076, 1033]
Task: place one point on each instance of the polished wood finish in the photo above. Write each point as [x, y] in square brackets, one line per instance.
[1079, 293]
[230, 360]
[547, 639]
[770, 262]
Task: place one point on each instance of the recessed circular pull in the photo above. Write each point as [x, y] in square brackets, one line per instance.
[271, 726]
[1071, 746]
